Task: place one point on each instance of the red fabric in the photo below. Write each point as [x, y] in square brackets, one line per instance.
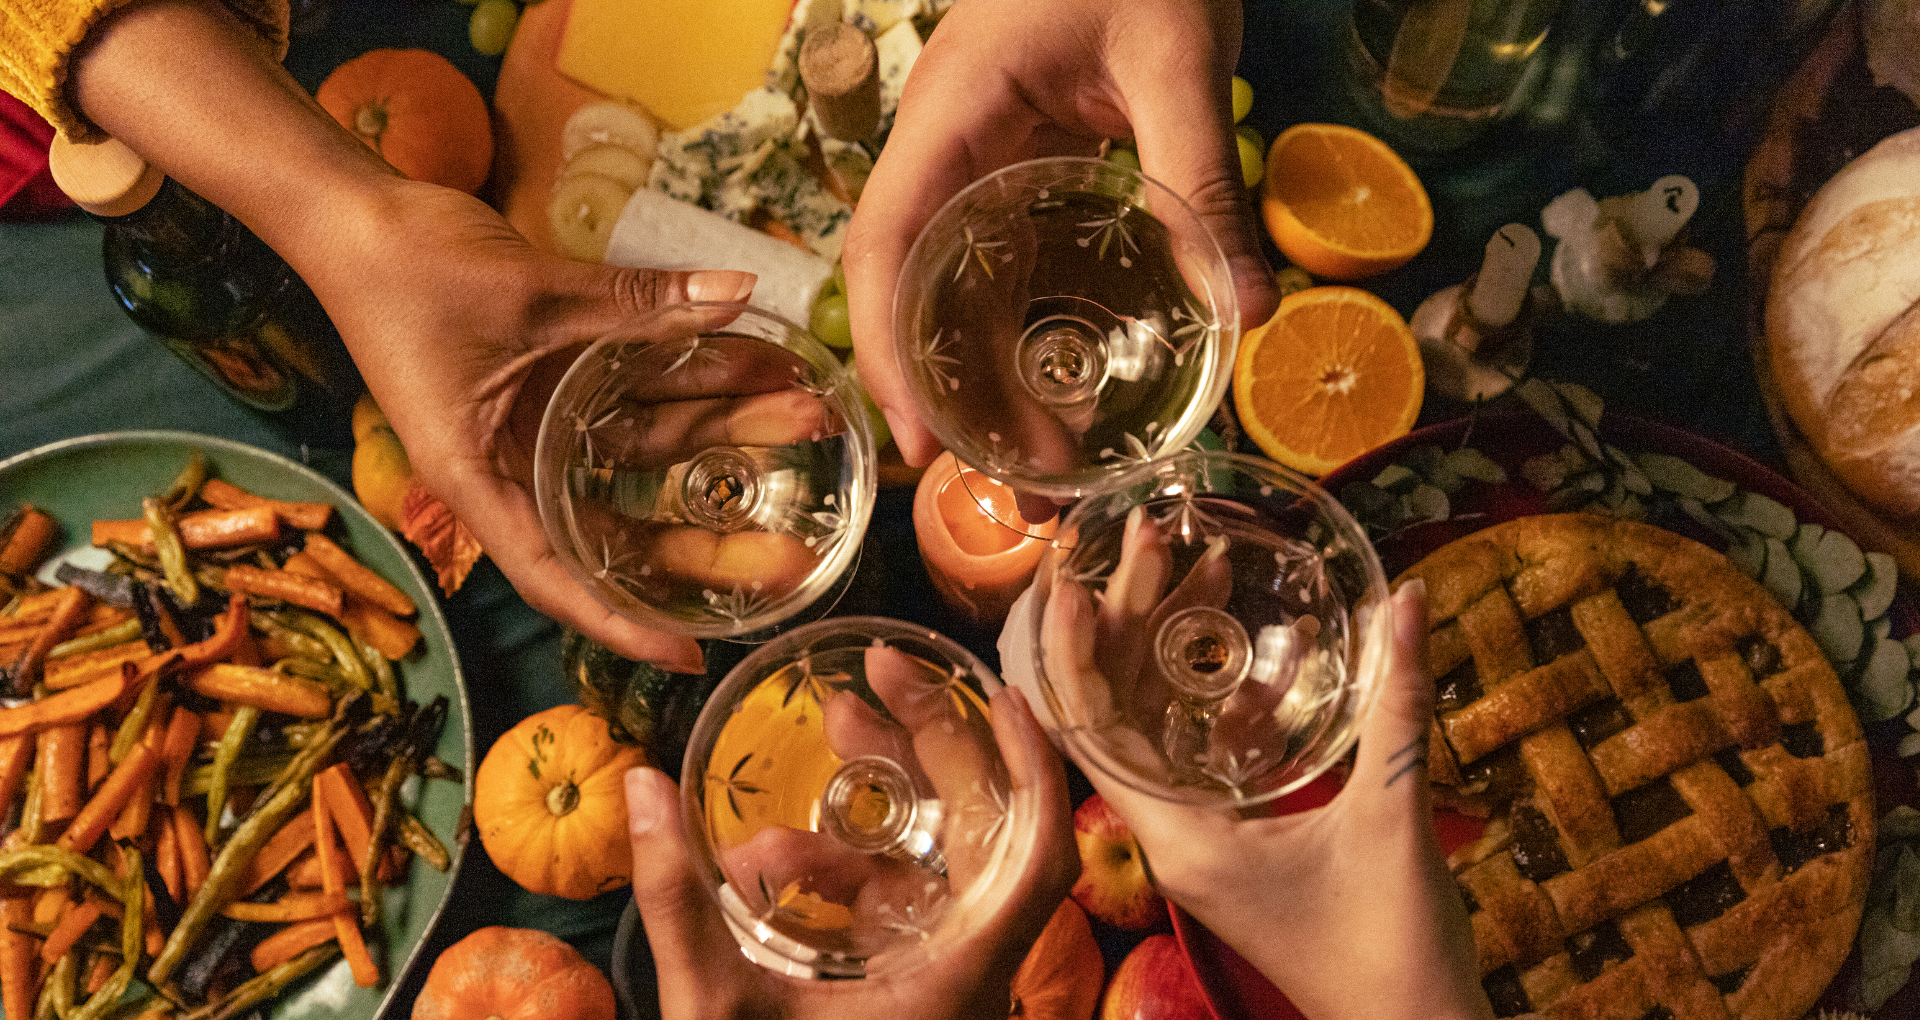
[27, 191]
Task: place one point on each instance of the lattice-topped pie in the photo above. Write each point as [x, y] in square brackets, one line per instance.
[1681, 799]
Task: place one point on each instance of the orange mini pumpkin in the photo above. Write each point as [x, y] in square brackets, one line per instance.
[550, 803]
[513, 974]
[417, 111]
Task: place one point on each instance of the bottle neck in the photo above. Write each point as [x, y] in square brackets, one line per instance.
[175, 219]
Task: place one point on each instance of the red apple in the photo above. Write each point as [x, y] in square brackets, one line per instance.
[1155, 982]
[1113, 884]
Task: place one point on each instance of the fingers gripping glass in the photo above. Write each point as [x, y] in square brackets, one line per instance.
[707, 471]
[1064, 323]
[849, 808]
[1214, 632]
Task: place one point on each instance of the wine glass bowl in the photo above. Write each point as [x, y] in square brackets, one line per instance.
[1063, 322]
[708, 470]
[1237, 638]
[846, 800]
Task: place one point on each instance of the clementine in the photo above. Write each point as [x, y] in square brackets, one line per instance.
[417, 111]
[1341, 204]
[1333, 374]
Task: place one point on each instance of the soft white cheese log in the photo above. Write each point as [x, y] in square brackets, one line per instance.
[661, 232]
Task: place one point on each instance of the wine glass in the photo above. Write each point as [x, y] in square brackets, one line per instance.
[708, 470]
[1238, 637]
[846, 801]
[1063, 323]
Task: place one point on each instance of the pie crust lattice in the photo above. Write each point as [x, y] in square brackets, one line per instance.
[1681, 798]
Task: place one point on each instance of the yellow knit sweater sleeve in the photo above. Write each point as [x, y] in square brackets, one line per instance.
[37, 37]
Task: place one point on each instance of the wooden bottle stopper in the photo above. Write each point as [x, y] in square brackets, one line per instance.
[105, 178]
[841, 70]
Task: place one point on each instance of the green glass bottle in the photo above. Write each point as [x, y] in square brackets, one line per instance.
[198, 280]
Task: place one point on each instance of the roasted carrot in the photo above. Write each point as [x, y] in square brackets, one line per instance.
[166, 856]
[348, 807]
[366, 620]
[294, 906]
[19, 954]
[63, 771]
[61, 708]
[279, 850]
[16, 757]
[99, 764]
[357, 577]
[229, 635]
[264, 689]
[67, 616]
[73, 924]
[333, 872]
[74, 670]
[287, 586]
[176, 751]
[99, 974]
[290, 942]
[304, 873]
[29, 537]
[203, 529]
[130, 777]
[227, 496]
[194, 861]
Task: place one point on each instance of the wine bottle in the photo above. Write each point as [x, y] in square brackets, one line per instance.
[198, 280]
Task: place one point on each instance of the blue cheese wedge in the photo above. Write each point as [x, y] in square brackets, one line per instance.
[876, 16]
[691, 165]
[784, 74]
[797, 198]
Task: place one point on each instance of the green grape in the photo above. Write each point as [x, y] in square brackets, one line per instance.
[839, 281]
[491, 27]
[829, 320]
[1253, 163]
[1242, 98]
[1126, 157]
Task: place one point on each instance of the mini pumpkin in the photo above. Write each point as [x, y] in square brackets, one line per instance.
[513, 974]
[418, 111]
[550, 803]
[1062, 975]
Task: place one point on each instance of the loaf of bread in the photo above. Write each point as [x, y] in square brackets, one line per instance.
[1843, 325]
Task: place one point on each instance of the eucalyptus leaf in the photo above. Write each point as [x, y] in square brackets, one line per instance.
[1912, 641]
[1545, 401]
[1901, 824]
[1886, 957]
[1585, 404]
[1831, 559]
[1909, 745]
[1587, 440]
[1782, 578]
[1875, 591]
[1396, 478]
[1805, 539]
[1759, 513]
[1681, 478]
[1427, 503]
[1749, 554]
[1545, 473]
[1705, 518]
[1837, 627]
[1884, 689]
[1468, 462]
[1631, 476]
[1906, 891]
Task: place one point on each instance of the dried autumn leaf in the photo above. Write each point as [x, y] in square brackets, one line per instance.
[448, 545]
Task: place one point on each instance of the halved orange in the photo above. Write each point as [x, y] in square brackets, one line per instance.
[1341, 204]
[1335, 373]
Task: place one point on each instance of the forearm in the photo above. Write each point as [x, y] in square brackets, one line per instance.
[185, 84]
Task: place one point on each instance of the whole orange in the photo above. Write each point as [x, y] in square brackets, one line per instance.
[417, 111]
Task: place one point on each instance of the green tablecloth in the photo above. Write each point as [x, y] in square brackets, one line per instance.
[71, 363]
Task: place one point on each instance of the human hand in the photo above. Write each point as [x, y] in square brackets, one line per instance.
[1002, 81]
[1339, 906]
[702, 972]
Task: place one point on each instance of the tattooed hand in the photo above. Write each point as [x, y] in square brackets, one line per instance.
[1348, 908]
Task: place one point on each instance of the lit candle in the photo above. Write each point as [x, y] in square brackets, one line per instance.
[977, 564]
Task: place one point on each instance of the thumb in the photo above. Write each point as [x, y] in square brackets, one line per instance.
[1394, 737]
[692, 948]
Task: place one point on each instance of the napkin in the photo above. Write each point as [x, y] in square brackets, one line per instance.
[27, 191]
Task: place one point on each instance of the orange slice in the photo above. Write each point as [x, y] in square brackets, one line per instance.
[1341, 204]
[1335, 373]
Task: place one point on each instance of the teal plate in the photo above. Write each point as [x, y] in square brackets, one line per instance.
[99, 477]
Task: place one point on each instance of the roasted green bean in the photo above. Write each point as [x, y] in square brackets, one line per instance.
[238, 732]
[173, 555]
